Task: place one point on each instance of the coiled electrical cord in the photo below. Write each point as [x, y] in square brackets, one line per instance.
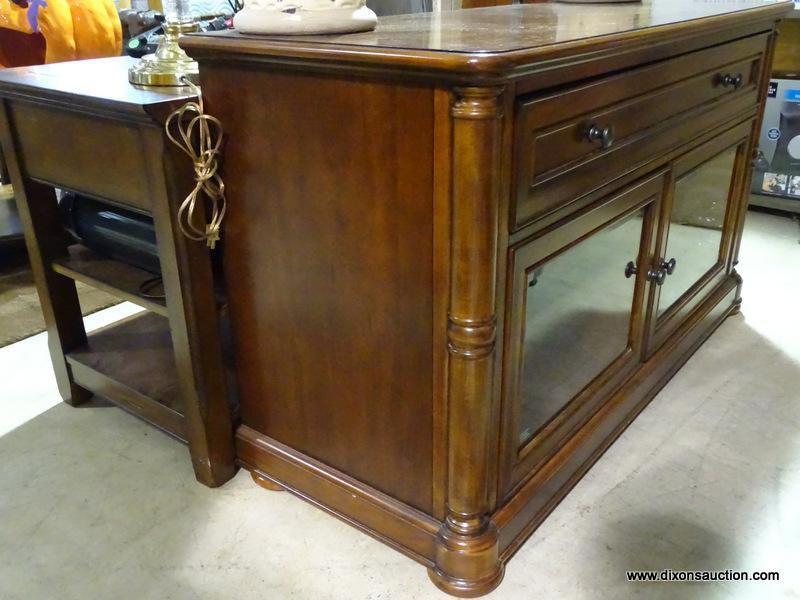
[200, 137]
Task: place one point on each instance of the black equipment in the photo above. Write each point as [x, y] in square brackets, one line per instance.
[142, 31]
[115, 232]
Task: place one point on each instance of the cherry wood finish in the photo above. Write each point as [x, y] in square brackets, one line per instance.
[392, 197]
[81, 126]
[76, 163]
[330, 256]
[466, 555]
[553, 153]
[498, 43]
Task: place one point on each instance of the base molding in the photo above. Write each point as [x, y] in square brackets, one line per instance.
[393, 522]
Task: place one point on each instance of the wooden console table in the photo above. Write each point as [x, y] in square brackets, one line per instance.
[81, 126]
[468, 248]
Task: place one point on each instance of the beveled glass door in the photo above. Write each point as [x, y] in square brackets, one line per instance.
[575, 326]
[693, 246]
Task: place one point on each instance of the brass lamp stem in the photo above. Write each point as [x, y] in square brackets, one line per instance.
[169, 63]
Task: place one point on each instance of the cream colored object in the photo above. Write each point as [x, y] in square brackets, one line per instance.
[293, 17]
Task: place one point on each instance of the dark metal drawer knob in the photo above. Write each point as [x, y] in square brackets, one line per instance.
[730, 80]
[657, 276]
[669, 265]
[602, 135]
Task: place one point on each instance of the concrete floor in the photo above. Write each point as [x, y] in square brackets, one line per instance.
[94, 504]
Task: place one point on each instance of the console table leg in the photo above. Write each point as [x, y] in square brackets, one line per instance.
[46, 240]
[193, 318]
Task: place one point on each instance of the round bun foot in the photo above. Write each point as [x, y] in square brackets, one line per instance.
[736, 309]
[464, 588]
[265, 483]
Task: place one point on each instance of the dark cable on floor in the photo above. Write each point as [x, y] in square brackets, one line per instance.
[148, 285]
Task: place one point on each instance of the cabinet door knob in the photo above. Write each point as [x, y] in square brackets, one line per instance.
[657, 276]
[602, 135]
[729, 80]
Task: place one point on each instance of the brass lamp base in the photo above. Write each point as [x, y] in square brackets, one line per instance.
[169, 64]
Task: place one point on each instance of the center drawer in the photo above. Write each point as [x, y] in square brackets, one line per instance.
[575, 140]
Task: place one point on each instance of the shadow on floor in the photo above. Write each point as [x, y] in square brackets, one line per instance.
[95, 504]
[707, 478]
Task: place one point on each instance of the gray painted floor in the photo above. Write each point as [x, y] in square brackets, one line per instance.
[96, 505]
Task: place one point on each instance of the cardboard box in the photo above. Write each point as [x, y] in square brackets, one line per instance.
[777, 165]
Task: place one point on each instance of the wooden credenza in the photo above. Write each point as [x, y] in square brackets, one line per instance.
[464, 251]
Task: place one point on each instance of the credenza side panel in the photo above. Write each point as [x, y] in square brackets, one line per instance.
[329, 267]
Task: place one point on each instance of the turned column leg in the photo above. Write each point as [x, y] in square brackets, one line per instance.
[467, 561]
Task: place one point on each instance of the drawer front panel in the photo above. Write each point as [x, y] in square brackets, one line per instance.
[587, 176]
[552, 133]
[99, 157]
[557, 147]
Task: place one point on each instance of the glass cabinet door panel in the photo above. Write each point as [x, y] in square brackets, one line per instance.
[577, 320]
[699, 207]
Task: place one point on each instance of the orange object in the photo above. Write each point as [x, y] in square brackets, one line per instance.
[36, 31]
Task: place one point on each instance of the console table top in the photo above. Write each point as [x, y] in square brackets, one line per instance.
[96, 84]
[512, 28]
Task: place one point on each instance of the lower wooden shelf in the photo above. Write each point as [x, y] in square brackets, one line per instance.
[107, 274]
[131, 363]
